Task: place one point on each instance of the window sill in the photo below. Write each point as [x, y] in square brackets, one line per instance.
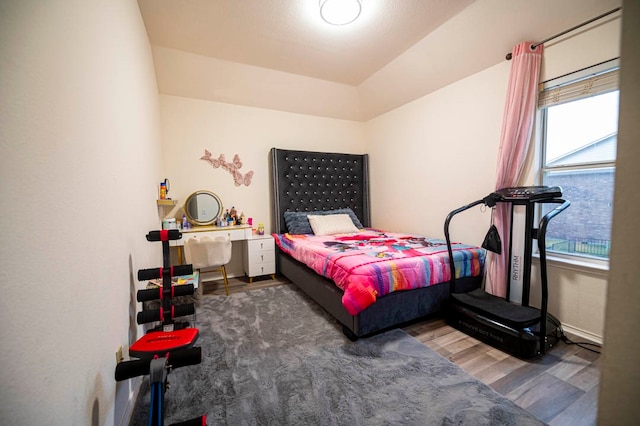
[599, 269]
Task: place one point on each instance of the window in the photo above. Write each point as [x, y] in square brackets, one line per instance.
[580, 128]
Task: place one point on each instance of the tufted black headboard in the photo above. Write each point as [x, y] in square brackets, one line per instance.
[311, 181]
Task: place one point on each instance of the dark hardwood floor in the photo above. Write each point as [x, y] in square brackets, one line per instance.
[561, 388]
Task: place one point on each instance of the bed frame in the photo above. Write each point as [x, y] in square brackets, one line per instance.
[312, 181]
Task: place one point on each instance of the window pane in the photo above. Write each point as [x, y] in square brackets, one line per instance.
[583, 229]
[582, 131]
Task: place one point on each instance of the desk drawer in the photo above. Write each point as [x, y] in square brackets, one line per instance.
[261, 245]
[236, 234]
[259, 257]
[267, 268]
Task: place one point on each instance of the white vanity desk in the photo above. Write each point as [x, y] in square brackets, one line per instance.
[258, 250]
[236, 233]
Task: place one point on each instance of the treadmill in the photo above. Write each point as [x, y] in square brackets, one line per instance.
[507, 324]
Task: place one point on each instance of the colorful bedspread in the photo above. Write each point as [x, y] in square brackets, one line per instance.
[371, 263]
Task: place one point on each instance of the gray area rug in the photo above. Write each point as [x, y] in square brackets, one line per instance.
[273, 357]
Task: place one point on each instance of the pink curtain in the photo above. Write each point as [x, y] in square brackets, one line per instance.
[517, 126]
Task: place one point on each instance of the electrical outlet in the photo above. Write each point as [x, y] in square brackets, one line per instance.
[119, 357]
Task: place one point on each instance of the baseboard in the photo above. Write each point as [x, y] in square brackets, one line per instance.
[594, 338]
[217, 276]
[135, 384]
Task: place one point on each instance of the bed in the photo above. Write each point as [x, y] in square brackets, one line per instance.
[318, 183]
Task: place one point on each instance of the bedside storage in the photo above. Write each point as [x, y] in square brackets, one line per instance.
[259, 257]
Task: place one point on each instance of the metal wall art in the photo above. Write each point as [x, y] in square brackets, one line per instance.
[238, 178]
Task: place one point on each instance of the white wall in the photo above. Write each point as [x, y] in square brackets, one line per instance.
[436, 154]
[79, 162]
[191, 126]
[620, 379]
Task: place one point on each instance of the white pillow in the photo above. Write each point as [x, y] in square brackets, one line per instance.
[332, 224]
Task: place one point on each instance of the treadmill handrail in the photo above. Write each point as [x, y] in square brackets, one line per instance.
[542, 248]
[448, 239]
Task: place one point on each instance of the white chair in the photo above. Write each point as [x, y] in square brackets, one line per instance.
[209, 253]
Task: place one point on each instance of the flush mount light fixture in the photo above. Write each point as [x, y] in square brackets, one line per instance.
[340, 12]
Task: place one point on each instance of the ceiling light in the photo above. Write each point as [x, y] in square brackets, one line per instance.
[340, 12]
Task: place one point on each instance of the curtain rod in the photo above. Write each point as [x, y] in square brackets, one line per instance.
[533, 46]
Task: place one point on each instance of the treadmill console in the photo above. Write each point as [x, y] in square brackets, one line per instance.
[529, 193]
[523, 195]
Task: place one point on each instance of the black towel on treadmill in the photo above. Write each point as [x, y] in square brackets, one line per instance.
[492, 240]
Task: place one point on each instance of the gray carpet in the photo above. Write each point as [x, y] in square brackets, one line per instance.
[273, 357]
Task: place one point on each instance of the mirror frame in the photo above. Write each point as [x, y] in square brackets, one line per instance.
[195, 221]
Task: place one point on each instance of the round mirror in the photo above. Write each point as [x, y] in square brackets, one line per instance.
[202, 207]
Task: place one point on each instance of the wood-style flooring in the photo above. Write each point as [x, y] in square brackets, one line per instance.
[561, 388]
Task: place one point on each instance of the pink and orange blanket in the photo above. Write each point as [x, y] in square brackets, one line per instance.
[370, 264]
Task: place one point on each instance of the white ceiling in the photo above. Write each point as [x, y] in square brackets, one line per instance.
[288, 35]
[411, 46]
